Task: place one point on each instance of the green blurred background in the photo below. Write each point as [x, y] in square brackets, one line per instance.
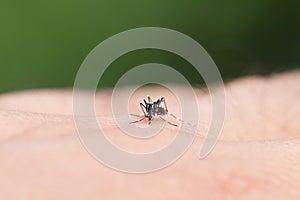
[44, 42]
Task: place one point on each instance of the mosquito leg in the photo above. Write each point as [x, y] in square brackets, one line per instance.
[173, 116]
[172, 124]
[176, 118]
[135, 115]
[164, 100]
[149, 99]
[143, 107]
[168, 122]
[137, 121]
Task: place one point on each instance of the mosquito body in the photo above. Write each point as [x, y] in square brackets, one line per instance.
[152, 109]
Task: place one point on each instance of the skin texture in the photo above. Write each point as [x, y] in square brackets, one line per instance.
[257, 156]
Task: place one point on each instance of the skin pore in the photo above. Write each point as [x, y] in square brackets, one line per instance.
[257, 156]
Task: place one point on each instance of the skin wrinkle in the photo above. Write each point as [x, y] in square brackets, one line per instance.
[251, 161]
[34, 122]
[42, 120]
[54, 119]
[232, 89]
[221, 157]
[268, 113]
[268, 176]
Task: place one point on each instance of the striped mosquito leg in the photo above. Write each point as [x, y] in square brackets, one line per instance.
[182, 120]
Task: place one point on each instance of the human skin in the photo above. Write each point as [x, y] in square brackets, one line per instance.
[257, 156]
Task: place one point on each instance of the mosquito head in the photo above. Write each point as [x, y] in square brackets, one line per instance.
[150, 116]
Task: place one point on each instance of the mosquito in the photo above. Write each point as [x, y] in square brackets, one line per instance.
[153, 109]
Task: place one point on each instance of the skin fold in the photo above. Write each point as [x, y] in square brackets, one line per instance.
[257, 156]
